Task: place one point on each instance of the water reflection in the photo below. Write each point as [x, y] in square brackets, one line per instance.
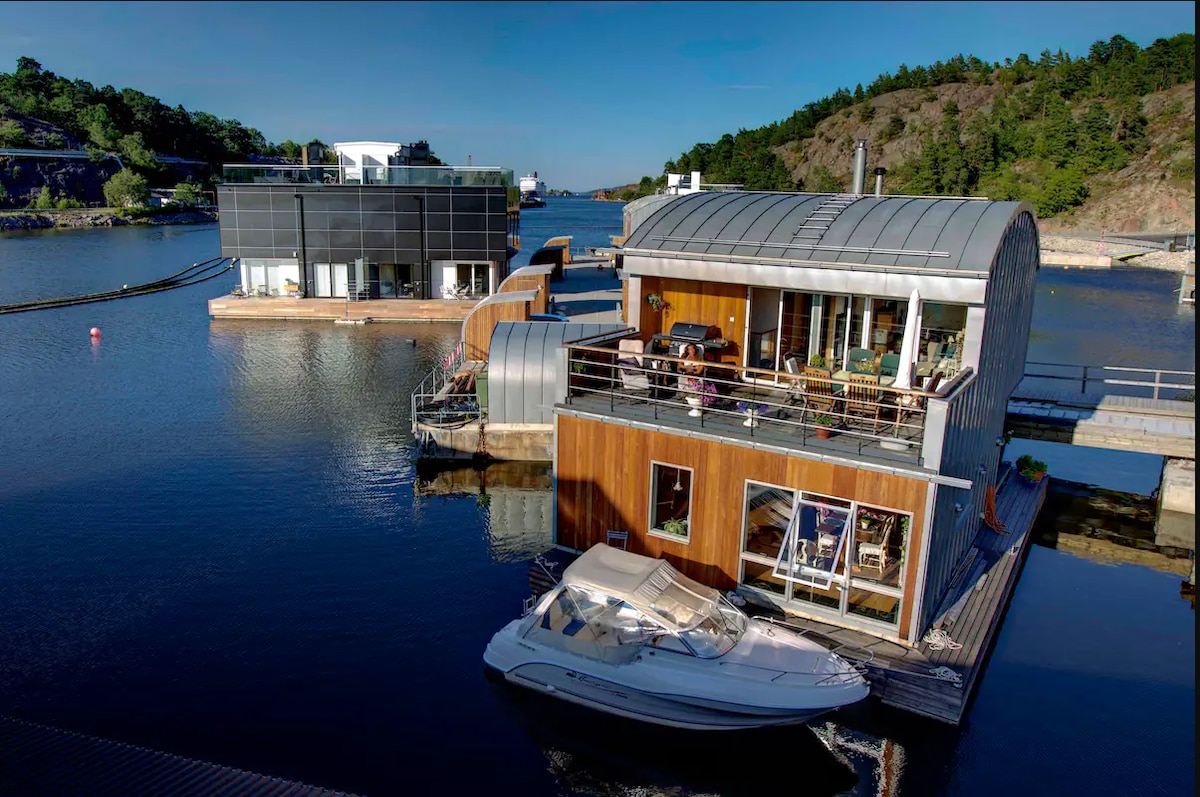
[515, 498]
[593, 753]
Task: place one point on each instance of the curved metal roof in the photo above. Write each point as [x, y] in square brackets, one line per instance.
[522, 367]
[907, 232]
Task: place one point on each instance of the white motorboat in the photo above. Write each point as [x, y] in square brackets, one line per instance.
[632, 636]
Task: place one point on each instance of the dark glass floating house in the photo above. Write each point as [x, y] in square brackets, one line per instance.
[372, 226]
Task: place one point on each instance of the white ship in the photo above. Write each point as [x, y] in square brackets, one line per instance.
[533, 191]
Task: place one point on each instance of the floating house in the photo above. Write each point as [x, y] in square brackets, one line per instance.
[373, 226]
[807, 402]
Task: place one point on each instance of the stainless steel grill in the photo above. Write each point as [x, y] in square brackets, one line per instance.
[682, 333]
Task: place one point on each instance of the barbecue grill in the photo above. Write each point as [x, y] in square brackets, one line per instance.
[707, 338]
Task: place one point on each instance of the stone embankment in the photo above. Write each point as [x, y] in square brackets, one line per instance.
[73, 219]
[1154, 256]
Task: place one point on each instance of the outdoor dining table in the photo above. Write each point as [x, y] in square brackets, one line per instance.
[844, 376]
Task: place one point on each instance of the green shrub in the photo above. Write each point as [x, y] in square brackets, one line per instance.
[67, 203]
[44, 200]
[1184, 169]
[126, 189]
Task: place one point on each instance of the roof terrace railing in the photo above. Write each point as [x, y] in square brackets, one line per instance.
[366, 175]
[779, 407]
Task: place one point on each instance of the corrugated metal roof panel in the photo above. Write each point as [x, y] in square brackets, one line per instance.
[940, 233]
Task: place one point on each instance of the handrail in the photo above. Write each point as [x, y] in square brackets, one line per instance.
[1083, 378]
[786, 402]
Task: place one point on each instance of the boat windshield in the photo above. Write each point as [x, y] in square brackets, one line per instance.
[711, 625]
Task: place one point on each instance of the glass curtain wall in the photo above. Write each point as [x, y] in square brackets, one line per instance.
[823, 554]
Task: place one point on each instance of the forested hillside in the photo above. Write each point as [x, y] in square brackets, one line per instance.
[1057, 131]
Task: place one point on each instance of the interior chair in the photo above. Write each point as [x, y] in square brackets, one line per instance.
[629, 360]
[856, 356]
[864, 399]
[806, 535]
[874, 554]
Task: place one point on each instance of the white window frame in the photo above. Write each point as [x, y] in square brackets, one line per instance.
[651, 514]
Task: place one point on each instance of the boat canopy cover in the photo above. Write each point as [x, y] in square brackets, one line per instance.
[651, 586]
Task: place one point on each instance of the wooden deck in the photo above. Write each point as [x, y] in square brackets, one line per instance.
[371, 310]
[936, 683]
[1163, 426]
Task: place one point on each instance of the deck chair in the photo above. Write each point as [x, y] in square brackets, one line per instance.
[818, 391]
[795, 390]
[633, 378]
[864, 399]
[889, 364]
[617, 539]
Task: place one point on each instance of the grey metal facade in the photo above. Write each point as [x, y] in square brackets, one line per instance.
[376, 223]
[975, 418]
[522, 368]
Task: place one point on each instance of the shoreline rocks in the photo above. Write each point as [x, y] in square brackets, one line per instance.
[82, 219]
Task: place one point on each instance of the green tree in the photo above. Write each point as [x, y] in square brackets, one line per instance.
[187, 194]
[126, 189]
[1063, 190]
[822, 181]
[44, 199]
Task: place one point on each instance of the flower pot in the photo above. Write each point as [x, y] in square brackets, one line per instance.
[823, 432]
[695, 404]
[751, 419]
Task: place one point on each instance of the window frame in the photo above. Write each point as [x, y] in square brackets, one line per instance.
[655, 530]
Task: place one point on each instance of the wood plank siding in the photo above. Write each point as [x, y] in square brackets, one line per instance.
[530, 282]
[697, 302]
[603, 482]
[477, 329]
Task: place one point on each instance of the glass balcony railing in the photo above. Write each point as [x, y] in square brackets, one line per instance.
[366, 175]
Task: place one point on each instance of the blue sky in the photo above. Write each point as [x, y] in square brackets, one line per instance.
[589, 94]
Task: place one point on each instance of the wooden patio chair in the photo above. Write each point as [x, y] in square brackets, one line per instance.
[864, 399]
[818, 391]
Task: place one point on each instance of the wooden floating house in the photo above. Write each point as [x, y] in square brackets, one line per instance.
[807, 406]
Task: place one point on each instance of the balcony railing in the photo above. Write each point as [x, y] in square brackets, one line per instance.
[366, 175]
[779, 408]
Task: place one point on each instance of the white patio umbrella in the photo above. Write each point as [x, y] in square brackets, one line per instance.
[908, 347]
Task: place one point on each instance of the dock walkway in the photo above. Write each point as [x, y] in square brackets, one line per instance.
[938, 677]
[43, 761]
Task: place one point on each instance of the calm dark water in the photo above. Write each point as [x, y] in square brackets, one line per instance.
[210, 545]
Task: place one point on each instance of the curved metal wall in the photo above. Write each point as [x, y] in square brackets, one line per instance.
[522, 367]
[976, 419]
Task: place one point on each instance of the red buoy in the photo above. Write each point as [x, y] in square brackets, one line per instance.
[95, 332]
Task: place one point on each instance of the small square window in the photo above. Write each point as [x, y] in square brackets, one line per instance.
[670, 502]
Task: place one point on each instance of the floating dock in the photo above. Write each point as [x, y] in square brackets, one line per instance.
[288, 308]
[938, 677]
[44, 761]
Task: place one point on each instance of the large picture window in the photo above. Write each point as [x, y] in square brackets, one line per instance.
[670, 501]
[831, 556]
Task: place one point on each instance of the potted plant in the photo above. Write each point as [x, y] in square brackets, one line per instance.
[865, 366]
[824, 425]
[656, 302]
[676, 527]
[1031, 470]
[752, 410]
[698, 393]
[817, 361]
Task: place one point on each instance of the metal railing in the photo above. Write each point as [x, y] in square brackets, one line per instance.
[437, 402]
[782, 406]
[1102, 375]
[329, 174]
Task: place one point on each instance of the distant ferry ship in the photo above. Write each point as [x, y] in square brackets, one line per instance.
[533, 191]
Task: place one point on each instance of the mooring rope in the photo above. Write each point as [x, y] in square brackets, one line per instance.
[937, 639]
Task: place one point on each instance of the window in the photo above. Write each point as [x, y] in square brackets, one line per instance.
[670, 502]
[880, 540]
[475, 277]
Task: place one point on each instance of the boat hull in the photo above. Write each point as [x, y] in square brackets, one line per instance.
[619, 700]
[647, 687]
